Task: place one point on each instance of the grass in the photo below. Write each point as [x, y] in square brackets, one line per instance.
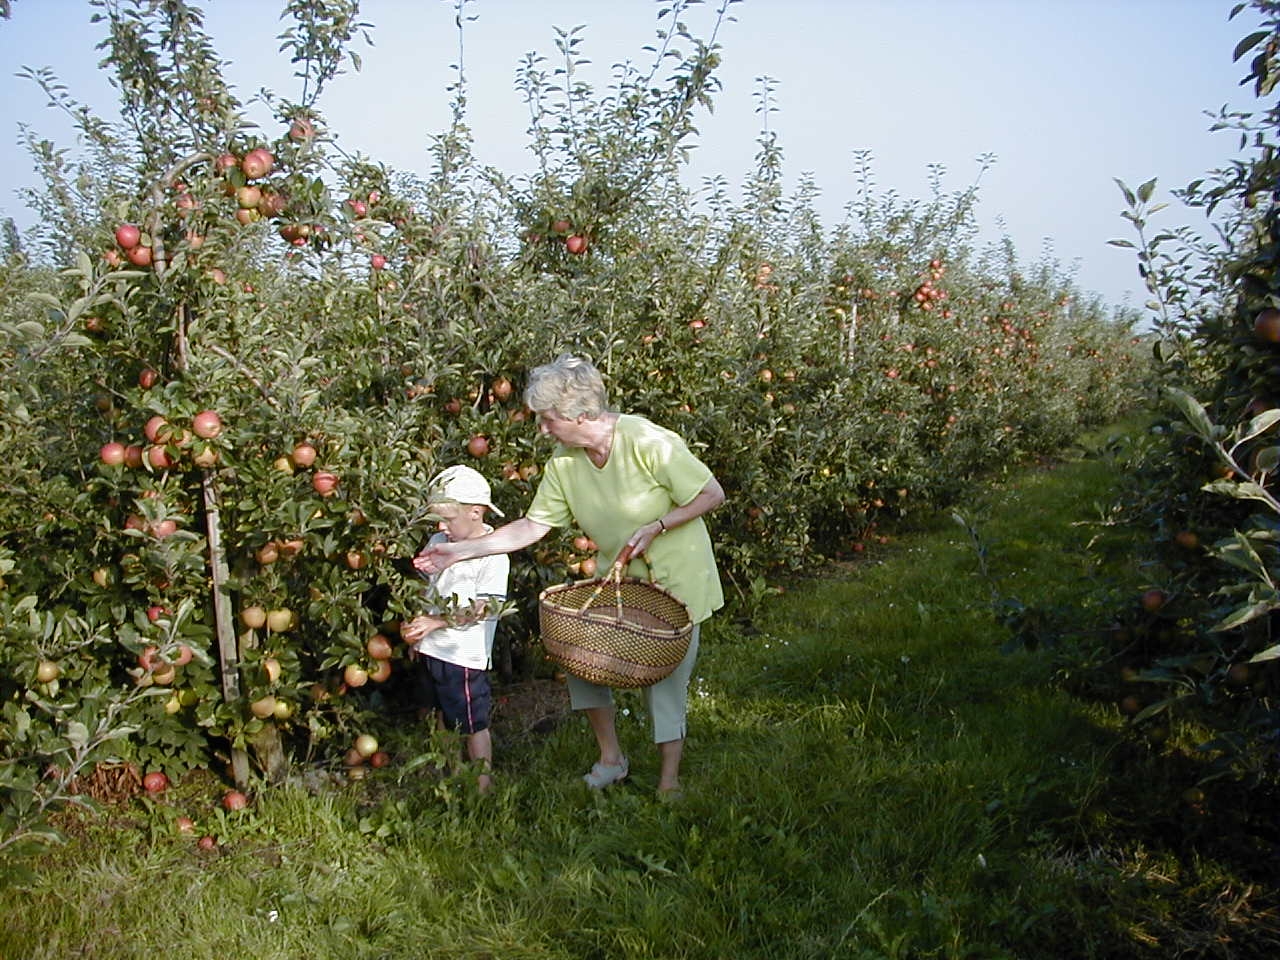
[867, 776]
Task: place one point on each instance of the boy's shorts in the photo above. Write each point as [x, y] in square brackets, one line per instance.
[461, 694]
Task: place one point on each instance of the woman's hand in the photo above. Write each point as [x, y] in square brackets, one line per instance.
[436, 557]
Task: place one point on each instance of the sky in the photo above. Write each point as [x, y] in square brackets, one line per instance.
[1067, 94]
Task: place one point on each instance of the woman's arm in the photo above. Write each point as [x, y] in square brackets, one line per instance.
[708, 498]
[506, 539]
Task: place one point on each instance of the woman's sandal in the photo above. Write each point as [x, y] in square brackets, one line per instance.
[602, 775]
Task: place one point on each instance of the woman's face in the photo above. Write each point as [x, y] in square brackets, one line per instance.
[561, 429]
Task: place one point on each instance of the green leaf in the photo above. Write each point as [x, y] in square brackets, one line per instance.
[1193, 412]
[1260, 424]
[1248, 43]
[1121, 243]
[1271, 653]
[77, 733]
[1243, 615]
[1145, 191]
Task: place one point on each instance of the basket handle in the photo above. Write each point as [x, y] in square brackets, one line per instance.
[614, 576]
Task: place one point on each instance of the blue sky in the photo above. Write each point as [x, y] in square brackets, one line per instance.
[1066, 93]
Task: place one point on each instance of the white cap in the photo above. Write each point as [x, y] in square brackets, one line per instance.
[461, 484]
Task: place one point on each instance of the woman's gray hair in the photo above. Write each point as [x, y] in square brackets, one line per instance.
[569, 385]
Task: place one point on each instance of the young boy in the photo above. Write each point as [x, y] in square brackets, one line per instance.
[453, 647]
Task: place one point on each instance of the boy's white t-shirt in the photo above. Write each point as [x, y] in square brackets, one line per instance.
[467, 581]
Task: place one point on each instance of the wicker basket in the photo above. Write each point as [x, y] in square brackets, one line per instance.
[630, 636]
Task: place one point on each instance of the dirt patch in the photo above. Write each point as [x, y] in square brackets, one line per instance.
[530, 707]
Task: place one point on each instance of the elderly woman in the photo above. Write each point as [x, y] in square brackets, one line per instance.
[625, 482]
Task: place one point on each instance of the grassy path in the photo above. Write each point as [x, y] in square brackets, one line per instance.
[867, 776]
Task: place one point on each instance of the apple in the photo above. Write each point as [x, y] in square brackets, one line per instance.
[1187, 539]
[355, 675]
[304, 455]
[357, 560]
[147, 378]
[112, 258]
[225, 162]
[159, 458]
[352, 758]
[248, 197]
[155, 782]
[257, 163]
[1153, 599]
[184, 656]
[154, 613]
[112, 454]
[254, 617]
[164, 528]
[561, 226]
[381, 672]
[283, 710]
[583, 543]
[478, 446]
[366, 745]
[378, 261]
[102, 577]
[290, 547]
[301, 130]
[47, 671]
[165, 674]
[588, 567]
[502, 389]
[185, 825]
[173, 704]
[379, 647]
[207, 424]
[207, 842]
[128, 236]
[1266, 326]
[267, 554]
[140, 256]
[576, 244]
[153, 427]
[283, 464]
[234, 800]
[379, 759]
[206, 457]
[264, 707]
[280, 621]
[217, 275]
[324, 483]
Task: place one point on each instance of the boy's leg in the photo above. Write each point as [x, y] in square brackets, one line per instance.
[480, 752]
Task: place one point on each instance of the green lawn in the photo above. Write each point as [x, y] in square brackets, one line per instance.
[867, 775]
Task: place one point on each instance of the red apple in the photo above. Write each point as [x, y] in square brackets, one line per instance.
[159, 457]
[206, 842]
[378, 647]
[257, 163]
[381, 672]
[301, 130]
[112, 454]
[478, 446]
[304, 455]
[155, 782]
[234, 800]
[379, 758]
[147, 378]
[140, 256]
[355, 675]
[185, 825]
[576, 244]
[324, 483]
[128, 236]
[207, 424]
[378, 261]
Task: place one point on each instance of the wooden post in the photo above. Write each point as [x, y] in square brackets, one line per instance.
[224, 625]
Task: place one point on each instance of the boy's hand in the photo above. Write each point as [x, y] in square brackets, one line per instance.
[417, 628]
